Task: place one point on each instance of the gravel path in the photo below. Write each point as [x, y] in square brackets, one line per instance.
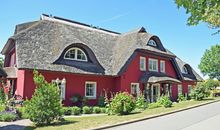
[16, 125]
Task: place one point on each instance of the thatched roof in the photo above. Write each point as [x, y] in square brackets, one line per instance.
[192, 75]
[40, 44]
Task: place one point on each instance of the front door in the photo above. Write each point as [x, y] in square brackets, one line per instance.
[155, 92]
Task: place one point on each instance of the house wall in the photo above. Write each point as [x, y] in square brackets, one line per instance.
[133, 73]
[75, 84]
[185, 85]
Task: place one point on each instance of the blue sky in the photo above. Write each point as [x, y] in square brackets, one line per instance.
[159, 17]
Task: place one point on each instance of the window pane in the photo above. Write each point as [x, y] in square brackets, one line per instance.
[90, 90]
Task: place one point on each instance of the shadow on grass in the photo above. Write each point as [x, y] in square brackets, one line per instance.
[207, 99]
[12, 127]
[57, 123]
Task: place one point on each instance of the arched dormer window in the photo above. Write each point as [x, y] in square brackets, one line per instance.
[75, 54]
[185, 71]
[152, 43]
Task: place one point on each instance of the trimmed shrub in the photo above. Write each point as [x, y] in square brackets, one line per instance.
[22, 113]
[140, 102]
[165, 101]
[101, 101]
[200, 92]
[123, 103]
[103, 110]
[7, 116]
[153, 105]
[181, 98]
[87, 110]
[2, 95]
[67, 110]
[2, 107]
[96, 110]
[76, 110]
[45, 105]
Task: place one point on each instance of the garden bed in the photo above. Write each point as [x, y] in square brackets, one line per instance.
[89, 122]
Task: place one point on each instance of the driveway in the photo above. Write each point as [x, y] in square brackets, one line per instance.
[202, 118]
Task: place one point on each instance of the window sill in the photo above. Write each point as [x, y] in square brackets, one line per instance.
[90, 97]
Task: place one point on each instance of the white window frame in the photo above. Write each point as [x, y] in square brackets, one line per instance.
[76, 53]
[152, 42]
[62, 87]
[185, 71]
[189, 89]
[162, 68]
[137, 88]
[180, 87]
[91, 82]
[153, 61]
[142, 63]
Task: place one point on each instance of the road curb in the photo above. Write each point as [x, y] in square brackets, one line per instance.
[153, 116]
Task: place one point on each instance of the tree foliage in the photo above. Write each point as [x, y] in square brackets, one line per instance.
[45, 104]
[210, 62]
[200, 92]
[207, 11]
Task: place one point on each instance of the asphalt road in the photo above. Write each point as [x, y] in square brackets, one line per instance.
[202, 118]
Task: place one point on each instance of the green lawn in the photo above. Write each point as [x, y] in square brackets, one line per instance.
[82, 123]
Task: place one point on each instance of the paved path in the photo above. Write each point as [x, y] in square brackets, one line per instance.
[202, 118]
[16, 125]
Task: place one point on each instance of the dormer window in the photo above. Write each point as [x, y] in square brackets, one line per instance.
[152, 43]
[185, 71]
[75, 54]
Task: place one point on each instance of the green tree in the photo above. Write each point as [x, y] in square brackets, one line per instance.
[212, 84]
[207, 11]
[45, 104]
[210, 62]
[200, 92]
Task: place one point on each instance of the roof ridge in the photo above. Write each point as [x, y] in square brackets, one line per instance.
[72, 22]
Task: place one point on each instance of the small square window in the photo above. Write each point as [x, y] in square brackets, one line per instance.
[90, 90]
[153, 64]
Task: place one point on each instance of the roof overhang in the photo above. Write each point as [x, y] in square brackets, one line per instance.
[155, 77]
[8, 46]
[11, 72]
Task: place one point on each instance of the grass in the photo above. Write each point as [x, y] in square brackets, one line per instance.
[81, 123]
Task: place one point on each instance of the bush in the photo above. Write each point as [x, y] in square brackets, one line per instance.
[67, 110]
[211, 84]
[76, 110]
[103, 110]
[200, 92]
[140, 102]
[181, 98]
[153, 105]
[2, 95]
[87, 110]
[84, 101]
[45, 105]
[76, 99]
[2, 107]
[7, 116]
[101, 101]
[96, 110]
[123, 103]
[22, 113]
[165, 101]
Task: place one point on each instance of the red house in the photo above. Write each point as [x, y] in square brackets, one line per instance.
[86, 60]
